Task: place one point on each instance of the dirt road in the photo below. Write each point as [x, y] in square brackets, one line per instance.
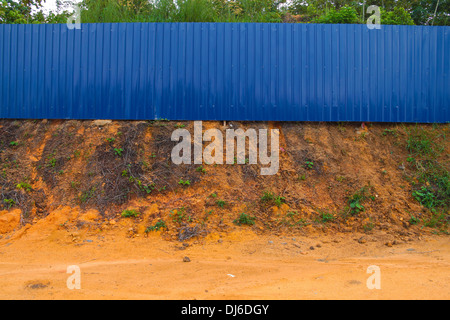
[238, 265]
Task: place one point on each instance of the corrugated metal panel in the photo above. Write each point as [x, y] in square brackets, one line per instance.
[226, 71]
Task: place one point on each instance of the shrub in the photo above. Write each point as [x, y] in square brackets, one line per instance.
[356, 200]
[398, 16]
[244, 219]
[345, 15]
[157, 226]
[130, 213]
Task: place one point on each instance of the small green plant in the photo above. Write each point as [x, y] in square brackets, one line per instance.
[291, 214]
[437, 219]
[392, 132]
[356, 200]
[9, 203]
[24, 186]
[368, 226]
[200, 169]
[87, 195]
[179, 125]
[157, 226]
[270, 197]
[278, 201]
[51, 160]
[178, 215]
[130, 213]
[301, 178]
[118, 151]
[244, 219]
[267, 196]
[413, 220]
[184, 182]
[213, 195]
[110, 140]
[326, 217]
[221, 203]
[421, 142]
[13, 143]
[425, 197]
[309, 165]
[74, 184]
[150, 187]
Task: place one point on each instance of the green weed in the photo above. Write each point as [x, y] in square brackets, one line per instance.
[244, 219]
[130, 213]
[157, 226]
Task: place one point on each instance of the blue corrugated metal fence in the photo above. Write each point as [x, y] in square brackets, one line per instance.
[225, 71]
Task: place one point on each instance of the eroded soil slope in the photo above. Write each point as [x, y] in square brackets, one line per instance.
[333, 178]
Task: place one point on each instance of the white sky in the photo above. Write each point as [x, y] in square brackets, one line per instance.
[49, 5]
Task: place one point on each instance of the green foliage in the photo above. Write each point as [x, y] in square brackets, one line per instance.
[356, 200]
[244, 219]
[157, 226]
[266, 11]
[184, 182]
[9, 203]
[278, 201]
[309, 165]
[27, 11]
[423, 12]
[118, 151]
[221, 203]
[437, 220]
[397, 16]
[24, 186]
[195, 11]
[413, 220]
[200, 169]
[130, 213]
[425, 197]
[391, 132]
[345, 15]
[267, 196]
[431, 183]
[178, 215]
[87, 195]
[368, 226]
[326, 217]
[421, 142]
[270, 197]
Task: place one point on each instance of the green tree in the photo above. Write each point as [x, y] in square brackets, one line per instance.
[26, 11]
[423, 12]
[396, 16]
[14, 12]
[196, 11]
[344, 15]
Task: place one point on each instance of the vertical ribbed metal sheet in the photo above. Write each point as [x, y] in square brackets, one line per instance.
[225, 71]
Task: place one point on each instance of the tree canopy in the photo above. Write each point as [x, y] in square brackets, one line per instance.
[418, 12]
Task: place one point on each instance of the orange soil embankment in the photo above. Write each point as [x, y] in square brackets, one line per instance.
[64, 185]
